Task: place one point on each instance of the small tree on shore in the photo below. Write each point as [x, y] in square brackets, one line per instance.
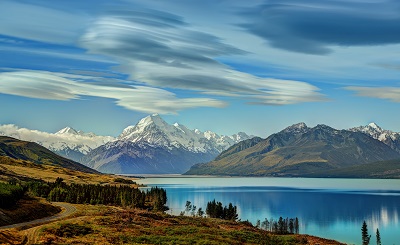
[364, 234]
[378, 237]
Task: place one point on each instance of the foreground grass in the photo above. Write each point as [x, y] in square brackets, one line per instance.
[110, 225]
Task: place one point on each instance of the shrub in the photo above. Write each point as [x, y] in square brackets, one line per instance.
[70, 230]
[10, 194]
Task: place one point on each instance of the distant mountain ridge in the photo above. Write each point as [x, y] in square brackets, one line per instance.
[298, 150]
[67, 142]
[154, 146]
[30, 151]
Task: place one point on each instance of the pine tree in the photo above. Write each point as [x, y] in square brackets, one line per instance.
[296, 226]
[291, 226]
[200, 212]
[378, 237]
[364, 234]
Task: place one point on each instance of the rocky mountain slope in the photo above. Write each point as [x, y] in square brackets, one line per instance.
[154, 146]
[296, 151]
[388, 137]
[67, 142]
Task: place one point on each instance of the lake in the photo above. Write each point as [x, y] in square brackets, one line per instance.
[329, 208]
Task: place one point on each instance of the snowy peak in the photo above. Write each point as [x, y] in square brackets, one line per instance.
[155, 131]
[297, 128]
[146, 124]
[67, 130]
[388, 137]
[374, 126]
[373, 130]
[152, 119]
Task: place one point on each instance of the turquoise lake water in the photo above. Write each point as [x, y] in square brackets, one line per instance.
[330, 208]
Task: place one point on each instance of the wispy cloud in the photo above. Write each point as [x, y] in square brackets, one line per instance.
[313, 26]
[63, 86]
[159, 49]
[388, 93]
[40, 23]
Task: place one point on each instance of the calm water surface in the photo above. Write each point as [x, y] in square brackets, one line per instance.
[330, 208]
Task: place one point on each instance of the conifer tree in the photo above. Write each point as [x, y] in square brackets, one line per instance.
[364, 234]
[378, 237]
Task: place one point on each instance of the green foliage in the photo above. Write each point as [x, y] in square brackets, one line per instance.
[200, 212]
[70, 230]
[216, 210]
[281, 226]
[364, 234]
[157, 197]
[10, 194]
[154, 199]
[124, 181]
[378, 237]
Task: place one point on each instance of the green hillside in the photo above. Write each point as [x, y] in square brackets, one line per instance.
[29, 151]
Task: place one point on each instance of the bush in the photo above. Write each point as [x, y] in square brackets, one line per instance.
[10, 194]
[70, 230]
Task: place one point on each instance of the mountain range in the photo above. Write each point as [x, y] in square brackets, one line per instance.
[156, 147]
[150, 146]
[300, 151]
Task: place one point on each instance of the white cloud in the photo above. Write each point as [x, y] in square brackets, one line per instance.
[388, 93]
[172, 55]
[62, 86]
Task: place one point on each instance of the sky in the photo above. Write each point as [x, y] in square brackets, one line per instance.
[222, 65]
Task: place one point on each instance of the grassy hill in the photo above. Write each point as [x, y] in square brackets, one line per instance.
[24, 150]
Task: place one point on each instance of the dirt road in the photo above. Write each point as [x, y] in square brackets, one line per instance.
[31, 234]
[68, 209]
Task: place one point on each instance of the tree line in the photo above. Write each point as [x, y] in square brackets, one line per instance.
[217, 210]
[59, 191]
[214, 210]
[280, 226]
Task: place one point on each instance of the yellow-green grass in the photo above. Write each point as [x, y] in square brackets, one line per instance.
[109, 225]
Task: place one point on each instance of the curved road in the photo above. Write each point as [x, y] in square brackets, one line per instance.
[67, 209]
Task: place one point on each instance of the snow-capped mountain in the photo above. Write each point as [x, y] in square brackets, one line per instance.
[154, 146]
[155, 131]
[388, 137]
[67, 142]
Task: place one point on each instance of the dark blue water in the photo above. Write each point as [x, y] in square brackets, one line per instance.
[330, 208]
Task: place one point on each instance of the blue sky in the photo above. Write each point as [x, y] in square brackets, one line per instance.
[227, 66]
